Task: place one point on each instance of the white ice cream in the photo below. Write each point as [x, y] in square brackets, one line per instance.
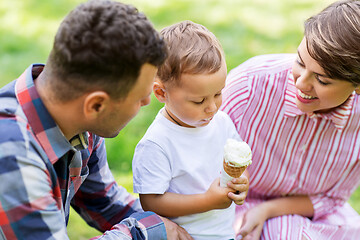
[237, 153]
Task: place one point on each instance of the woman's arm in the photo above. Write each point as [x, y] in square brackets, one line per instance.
[300, 205]
[255, 217]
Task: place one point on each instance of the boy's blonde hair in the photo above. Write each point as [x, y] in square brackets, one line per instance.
[192, 49]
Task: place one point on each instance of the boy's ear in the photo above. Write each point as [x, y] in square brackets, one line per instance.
[159, 90]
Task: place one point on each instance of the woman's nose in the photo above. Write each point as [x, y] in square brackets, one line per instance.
[304, 81]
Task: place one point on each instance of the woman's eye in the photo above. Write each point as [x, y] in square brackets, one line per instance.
[320, 81]
[300, 63]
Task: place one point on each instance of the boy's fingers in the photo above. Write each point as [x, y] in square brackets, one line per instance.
[238, 187]
[238, 199]
[240, 180]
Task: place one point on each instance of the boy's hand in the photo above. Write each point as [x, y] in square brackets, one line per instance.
[218, 195]
[240, 187]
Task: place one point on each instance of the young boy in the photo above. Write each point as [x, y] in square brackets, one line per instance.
[178, 161]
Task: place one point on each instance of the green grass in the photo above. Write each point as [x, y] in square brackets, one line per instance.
[245, 29]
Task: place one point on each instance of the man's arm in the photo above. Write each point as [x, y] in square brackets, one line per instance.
[114, 211]
[28, 204]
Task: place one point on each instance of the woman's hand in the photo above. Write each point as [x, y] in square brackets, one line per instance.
[255, 217]
[253, 222]
[241, 187]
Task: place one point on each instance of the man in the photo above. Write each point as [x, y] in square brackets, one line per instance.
[53, 119]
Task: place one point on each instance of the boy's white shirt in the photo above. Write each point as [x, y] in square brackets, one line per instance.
[171, 158]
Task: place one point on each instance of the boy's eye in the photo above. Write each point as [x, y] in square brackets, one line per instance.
[218, 94]
[201, 102]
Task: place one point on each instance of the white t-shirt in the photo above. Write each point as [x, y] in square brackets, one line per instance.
[171, 158]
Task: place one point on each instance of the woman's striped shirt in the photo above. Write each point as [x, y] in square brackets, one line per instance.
[295, 152]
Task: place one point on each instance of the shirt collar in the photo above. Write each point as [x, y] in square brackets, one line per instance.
[45, 130]
[339, 116]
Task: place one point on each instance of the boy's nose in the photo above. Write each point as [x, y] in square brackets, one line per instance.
[212, 107]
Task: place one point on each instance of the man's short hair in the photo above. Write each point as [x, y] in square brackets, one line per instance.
[102, 45]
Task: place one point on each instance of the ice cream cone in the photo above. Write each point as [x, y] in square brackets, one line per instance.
[233, 171]
[237, 156]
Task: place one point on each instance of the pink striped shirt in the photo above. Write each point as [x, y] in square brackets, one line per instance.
[294, 152]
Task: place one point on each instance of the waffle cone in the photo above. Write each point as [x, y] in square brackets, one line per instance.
[233, 171]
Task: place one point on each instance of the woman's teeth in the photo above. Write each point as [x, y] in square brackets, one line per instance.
[303, 95]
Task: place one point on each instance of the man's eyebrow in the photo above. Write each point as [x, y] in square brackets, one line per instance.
[319, 74]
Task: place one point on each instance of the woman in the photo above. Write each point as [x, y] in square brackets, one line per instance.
[301, 116]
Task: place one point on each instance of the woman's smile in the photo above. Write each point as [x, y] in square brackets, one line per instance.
[304, 98]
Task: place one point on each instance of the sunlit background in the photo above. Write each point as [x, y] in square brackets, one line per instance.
[244, 27]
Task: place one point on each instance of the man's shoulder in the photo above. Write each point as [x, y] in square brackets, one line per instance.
[17, 146]
[10, 127]
[8, 90]
[14, 135]
[8, 101]
[13, 123]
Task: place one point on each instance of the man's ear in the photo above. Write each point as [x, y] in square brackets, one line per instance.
[159, 90]
[95, 104]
